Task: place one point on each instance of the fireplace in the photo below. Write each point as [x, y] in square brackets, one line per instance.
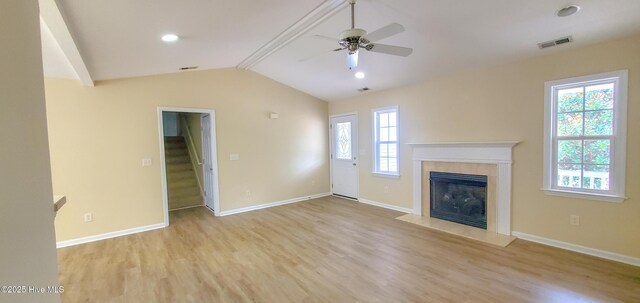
[460, 198]
[485, 165]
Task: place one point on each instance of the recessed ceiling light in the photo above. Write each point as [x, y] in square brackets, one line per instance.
[359, 75]
[568, 11]
[169, 38]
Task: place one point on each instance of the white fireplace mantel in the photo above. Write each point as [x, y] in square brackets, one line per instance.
[499, 153]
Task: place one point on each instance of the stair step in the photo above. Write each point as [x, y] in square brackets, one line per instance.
[178, 167]
[184, 192]
[183, 183]
[178, 159]
[180, 175]
[176, 152]
[175, 145]
[173, 139]
[185, 202]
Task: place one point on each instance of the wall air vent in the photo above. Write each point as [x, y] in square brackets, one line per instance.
[551, 43]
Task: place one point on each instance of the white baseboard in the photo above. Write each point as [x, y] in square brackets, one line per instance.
[578, 248]
[387, 206]
[109, 235]
[271, 204]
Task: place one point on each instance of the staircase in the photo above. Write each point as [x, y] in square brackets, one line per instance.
[181, 179]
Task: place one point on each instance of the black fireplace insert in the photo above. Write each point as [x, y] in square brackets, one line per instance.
[459, 198]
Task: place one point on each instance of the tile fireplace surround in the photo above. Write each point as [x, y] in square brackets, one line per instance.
[483, 158]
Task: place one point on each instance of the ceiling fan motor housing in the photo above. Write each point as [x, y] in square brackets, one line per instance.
[352, 38]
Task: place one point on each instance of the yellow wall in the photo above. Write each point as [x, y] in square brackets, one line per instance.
[99, 135]
[507, 103]
[193, 122]
[27, 240]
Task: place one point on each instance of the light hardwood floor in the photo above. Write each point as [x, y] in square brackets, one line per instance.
[329, 250]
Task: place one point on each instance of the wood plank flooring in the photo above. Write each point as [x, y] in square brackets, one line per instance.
[329, 250]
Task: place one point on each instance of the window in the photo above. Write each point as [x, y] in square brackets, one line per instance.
[385, 141]
[585, 136]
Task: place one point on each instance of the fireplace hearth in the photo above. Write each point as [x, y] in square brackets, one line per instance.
[460, 198]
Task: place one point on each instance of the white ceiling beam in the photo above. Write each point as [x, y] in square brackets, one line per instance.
[323, 11]
[51, 15]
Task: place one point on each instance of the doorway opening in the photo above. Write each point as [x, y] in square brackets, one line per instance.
[188, 159]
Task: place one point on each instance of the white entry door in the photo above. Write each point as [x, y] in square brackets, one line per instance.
[207, 162]
[344, 164]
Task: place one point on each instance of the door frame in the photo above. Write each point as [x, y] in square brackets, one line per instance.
[214, 156]
[355, 152]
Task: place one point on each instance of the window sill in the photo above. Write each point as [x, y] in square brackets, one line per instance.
[390, 176]
[581, 195]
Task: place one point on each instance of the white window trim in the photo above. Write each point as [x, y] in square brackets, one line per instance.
[618, 159]
[374, 149]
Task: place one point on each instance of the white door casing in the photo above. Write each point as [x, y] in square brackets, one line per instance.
[207, 167]
[344, 151]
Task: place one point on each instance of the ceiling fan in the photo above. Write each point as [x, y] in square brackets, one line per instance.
[354, 39]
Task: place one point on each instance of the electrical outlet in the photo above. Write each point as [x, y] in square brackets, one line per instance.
[574, 220]
[313, 183]
[386, 189]
[88, 217]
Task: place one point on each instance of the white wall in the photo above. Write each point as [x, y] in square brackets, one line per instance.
[27, 240]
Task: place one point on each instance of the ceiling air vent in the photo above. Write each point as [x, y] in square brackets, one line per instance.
[551, 43]
[188, 67]
[364, 89]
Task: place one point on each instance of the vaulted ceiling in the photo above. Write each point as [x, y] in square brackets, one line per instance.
[121, 38]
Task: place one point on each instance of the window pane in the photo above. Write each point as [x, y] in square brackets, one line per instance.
[384, 150]
[393, 164]
[384, 164]
[343, 140]
[570, 124]
[392, 119]
[597, 151]
[393, 134]
[384, 120]
[598, 123]
[569, 151]
[570, 100]
[384, 134]
[393, 150]
[569, 175]
[599, 97]
[599, 175]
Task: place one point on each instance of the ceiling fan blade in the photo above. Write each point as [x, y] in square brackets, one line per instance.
[385, 32]
[390, 49]
[334, 40]
[320, 54]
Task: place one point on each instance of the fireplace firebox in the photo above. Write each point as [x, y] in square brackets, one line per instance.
[459, 198]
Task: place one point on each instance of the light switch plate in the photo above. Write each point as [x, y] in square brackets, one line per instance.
[146, 162]
[234, 157]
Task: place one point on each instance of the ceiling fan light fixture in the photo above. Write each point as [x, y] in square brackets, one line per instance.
[352, 60]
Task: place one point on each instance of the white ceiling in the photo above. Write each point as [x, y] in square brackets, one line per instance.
[120, 38]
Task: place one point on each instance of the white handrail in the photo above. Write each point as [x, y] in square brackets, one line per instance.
[184, 123]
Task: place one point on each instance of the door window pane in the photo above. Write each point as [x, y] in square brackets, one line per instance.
[343, 140]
